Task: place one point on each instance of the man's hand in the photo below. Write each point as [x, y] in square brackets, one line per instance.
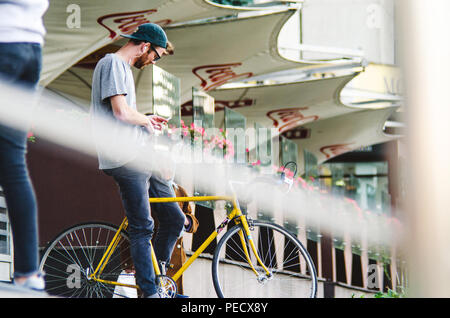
[149, 127]
[125, 113]
[157, 122]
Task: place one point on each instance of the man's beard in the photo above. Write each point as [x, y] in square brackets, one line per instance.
[139, 64]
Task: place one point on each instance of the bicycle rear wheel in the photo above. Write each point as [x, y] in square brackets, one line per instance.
[74, 254]
[292, 271]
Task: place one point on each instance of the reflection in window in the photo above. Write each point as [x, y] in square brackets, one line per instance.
[166, 96]
[366, 183]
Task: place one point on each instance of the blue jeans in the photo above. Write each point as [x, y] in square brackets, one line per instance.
[134, 187]
[20, 64]
[170, 218]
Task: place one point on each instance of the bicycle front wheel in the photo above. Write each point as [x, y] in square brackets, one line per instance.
[291, 271]
[74, 255]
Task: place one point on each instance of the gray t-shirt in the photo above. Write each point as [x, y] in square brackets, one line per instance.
[118, 142]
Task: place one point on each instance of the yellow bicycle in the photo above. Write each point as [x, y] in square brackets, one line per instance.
[254, 258]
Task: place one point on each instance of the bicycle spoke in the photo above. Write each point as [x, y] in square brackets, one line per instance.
[70, 260]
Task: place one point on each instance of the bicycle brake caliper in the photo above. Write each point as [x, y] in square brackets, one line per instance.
[250, 224]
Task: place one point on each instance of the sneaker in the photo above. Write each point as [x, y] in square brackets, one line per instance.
[171, 295]
[35, 282]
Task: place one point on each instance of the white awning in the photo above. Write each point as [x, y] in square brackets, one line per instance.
[286, 106]
[209, 55]
[334, 136]
[76, 29]
[206, 55]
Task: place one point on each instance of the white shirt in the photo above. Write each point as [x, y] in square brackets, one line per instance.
[22, 21]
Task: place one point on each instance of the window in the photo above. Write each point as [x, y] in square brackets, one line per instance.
[5, 242]
[4, 228]
[365, 182]
[235, 2]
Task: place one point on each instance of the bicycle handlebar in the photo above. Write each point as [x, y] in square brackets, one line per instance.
[283, 177]
[272, 180]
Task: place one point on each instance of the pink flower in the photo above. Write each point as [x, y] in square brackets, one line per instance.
[257, 163]
[289, 173]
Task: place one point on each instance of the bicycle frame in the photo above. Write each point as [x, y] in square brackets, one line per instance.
[236, 215]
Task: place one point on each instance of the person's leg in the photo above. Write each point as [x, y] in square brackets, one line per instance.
[133, 188]
[170, 217]
[31, 74]
[20, 64]
[14, 59]
[21, 202]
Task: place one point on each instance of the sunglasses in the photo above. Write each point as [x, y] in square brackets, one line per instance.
[157, 54]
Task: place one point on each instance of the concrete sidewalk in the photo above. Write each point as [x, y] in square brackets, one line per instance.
[11, 291]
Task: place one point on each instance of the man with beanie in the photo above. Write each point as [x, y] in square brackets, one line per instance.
[114, 97]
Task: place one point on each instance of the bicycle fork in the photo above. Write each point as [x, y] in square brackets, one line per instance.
[237, 216]
[250, 240]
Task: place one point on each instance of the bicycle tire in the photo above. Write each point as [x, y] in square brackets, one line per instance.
[234, 278]
[75, 253]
